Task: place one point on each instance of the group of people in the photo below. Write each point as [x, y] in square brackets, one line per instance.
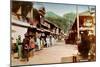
[31, 43]
[26, 47]
[47, 41]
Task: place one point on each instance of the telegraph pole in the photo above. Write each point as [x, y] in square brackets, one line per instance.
[77, 14]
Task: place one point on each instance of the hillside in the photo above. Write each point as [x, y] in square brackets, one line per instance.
[63, 22]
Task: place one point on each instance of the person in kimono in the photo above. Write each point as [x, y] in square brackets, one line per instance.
[42, 43]
[48, 41]
[38, 43]
[32, 45]
[52, 40]
[25, 47]
[19, 45]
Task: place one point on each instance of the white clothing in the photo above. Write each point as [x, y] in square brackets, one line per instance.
[48, 42]
[38, 43]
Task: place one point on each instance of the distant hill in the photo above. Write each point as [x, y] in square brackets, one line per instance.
[51, 14]
[70, 16]
[62, 22]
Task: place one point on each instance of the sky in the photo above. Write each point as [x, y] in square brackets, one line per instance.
[61, 9]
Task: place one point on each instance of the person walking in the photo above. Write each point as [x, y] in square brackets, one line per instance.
[32, 45]
[26, 47]
[52, 40]
[38, 43]
[48, 41]
[42, 43]
[19, 45]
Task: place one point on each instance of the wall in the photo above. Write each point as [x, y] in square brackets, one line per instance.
[17, 30]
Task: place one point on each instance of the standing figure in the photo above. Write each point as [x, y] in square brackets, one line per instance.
[19, 44]
[32, 45]
[26, 47]
[48, 41]
[38, 43]
[52, 40]
[42, 43]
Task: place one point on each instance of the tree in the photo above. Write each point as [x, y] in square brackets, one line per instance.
[62, 22]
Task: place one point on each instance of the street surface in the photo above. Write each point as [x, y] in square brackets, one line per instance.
[52, 54]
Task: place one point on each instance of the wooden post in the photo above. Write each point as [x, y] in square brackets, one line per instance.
[77, 21]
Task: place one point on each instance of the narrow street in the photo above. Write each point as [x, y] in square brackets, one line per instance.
[40, 24]
[52, 54]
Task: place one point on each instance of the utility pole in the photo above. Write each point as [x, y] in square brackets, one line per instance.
[77, 13]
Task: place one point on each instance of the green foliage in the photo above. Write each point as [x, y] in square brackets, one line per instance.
[51, 14]
[70, 17]
[62, 22]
